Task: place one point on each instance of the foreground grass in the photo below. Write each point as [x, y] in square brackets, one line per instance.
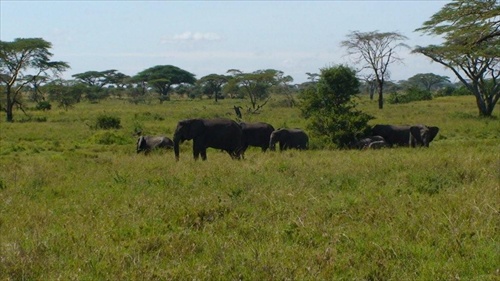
[73, 208]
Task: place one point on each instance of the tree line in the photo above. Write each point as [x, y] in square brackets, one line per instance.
[470, 30]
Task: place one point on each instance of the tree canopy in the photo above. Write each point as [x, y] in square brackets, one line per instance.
[471, 47]
[212, 84]
[427, 81]
[22, 61]
[101, 79]
[162, 77]
[255, 85]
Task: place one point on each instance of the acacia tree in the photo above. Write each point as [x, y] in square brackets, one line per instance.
[212, 84]
[162, 77]
[427, 80]
[330, 109]
[471, 47]
[255, 85]
[22, 61]
[375, 51]
[100, 79]
[284, 87]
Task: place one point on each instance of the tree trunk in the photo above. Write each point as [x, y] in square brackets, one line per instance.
[481, 105]
[9, 106]
[381, 95]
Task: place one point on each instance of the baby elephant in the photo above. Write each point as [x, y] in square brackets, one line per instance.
[148, 143]
[378, 144]
[365, 143]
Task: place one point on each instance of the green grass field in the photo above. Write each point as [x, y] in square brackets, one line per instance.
[79, 204]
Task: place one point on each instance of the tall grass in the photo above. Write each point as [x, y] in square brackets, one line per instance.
[74, 207]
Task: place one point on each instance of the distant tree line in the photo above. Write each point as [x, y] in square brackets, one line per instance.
[470, 50]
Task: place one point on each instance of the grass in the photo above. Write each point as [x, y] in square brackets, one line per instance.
[79, 204]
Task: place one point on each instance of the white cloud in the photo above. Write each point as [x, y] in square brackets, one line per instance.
[189, 36]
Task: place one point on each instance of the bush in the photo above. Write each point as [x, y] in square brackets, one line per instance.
[412, 94]
[107, 122]
[461, 91]
[43, 105]
[109, 138]
[330, 109]
[445, 91]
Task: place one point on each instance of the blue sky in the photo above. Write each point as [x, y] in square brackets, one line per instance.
[205, 37]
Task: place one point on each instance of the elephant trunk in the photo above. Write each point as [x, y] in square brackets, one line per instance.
[272, 145]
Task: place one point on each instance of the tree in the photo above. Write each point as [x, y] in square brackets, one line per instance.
[162, 77]
[65, 93]
[212, 84]
[313, 77]
[427, 81]
[471, 47]
[21, 62]
[330, 108]
[100, 79]
[283, 87]
[376, 50]
[255, 85]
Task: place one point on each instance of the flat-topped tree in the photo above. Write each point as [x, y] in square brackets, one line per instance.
[22, 61]
[471, 47]
[212, 84]
[162, 77]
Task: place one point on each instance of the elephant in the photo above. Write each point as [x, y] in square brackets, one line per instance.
[219, 133]
[378, 144]
[148, 143]
[365, 142]
[256, 134]
[416, 135]
[288, 138]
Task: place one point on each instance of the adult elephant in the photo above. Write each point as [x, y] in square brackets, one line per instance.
[147, 143]
[288, 138]
[219, 133]
[256, 134]
[417, 135]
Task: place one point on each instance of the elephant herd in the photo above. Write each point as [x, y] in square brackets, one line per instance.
[234, 138]
[226, 135]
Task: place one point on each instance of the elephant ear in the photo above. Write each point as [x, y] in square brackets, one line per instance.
[196, 127]
[416, 133]
[433, 131]
[139, 140]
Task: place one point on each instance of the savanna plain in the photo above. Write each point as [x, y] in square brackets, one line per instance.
[78, 203]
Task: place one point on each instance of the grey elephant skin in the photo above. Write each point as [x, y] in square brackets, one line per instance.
[219, 133]
[416, 135]
[378, 144]
[148, 143]
[289, 138]
[365, 142]
[256, 134]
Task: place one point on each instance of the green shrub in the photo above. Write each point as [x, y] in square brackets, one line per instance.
[330, 109]
[107, 122]
[109, 138]
[43, 105]
[462, 91]
[445, 91]
[412, 94]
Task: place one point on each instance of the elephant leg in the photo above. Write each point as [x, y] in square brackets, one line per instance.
[196, 154]
[203, 154]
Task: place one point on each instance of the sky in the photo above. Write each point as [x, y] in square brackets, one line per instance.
[205, 37]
